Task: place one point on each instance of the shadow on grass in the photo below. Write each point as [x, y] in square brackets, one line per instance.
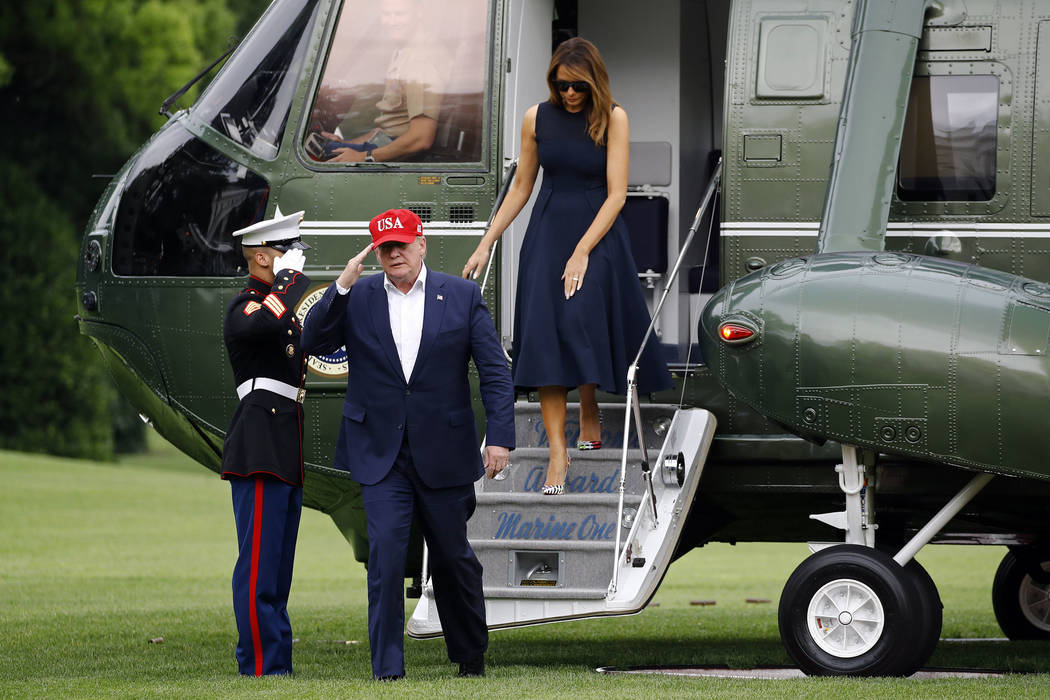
[742, 652]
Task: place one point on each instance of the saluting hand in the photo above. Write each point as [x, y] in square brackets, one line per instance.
[293, 259]
[476, 263]
[354, 268]
[575, 270]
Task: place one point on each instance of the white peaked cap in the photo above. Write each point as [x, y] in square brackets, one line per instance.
[280, 228]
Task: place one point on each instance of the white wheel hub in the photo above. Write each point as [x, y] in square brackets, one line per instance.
[845, 618]
[1035, 601]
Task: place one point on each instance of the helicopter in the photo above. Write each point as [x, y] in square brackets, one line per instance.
[839, 211]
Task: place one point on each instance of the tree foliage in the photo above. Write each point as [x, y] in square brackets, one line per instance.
[81, 82]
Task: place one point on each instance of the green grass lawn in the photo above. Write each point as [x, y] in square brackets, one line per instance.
[98, 559]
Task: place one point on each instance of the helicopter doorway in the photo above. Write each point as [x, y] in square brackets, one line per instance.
[666, 66]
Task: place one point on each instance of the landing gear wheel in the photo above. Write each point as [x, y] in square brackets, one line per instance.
[852, 610]
[1022, 605]
[932, 612]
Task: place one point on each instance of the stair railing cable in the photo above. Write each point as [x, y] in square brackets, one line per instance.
[632, 406]
[509, 170]
[508, 177]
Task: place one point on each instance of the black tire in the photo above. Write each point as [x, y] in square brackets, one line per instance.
[932, 611]
[1021, 605]
[855, 647]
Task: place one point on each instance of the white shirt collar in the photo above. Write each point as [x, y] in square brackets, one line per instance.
[420, 283]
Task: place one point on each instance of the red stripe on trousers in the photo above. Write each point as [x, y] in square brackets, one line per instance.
[253, 613]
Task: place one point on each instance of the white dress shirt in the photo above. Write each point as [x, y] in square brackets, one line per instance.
[406, 318]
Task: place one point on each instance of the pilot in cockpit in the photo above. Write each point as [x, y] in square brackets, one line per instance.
[414, 85]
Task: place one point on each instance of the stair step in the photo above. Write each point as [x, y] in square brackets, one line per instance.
[567, 567]
[575, 529]
[543, 545]
[605, 454]
[545, 592]
[590, 471]
[546, 503]
[529, 430]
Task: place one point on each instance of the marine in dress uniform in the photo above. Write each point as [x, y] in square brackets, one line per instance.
[262, 455]
[407, 433]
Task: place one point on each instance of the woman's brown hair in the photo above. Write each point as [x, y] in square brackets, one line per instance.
[581, 56]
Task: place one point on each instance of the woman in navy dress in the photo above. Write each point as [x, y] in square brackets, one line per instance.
[580, 315]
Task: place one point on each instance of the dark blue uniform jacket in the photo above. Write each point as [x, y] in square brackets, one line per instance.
[262, 335]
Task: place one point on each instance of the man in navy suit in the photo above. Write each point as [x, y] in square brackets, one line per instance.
[407, 434]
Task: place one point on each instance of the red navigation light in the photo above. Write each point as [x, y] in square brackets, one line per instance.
[736, 332]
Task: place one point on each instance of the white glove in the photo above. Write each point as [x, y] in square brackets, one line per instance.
[294, 259]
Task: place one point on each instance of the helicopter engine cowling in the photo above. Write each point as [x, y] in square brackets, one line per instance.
[903, 354]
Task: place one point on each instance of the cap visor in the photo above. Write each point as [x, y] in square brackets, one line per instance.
[395, 238]
[286, 245]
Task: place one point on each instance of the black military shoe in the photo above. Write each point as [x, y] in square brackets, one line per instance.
[475, 668]
[387, 679]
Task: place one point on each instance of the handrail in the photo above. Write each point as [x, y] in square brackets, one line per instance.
[508, 177]
[632, 406]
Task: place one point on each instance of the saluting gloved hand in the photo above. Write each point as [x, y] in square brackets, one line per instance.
[294, 259]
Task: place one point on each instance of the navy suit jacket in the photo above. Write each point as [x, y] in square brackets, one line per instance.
[434, 405]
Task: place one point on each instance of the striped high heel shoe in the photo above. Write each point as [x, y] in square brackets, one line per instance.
[557, 489]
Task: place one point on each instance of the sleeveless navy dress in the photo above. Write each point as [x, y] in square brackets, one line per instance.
[592, 337]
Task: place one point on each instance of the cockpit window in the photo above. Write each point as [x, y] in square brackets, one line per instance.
[404, 82]
[948, 150]
[250, 99]
[178, 211]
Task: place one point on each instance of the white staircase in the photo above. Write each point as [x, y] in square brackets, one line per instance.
[550, 558]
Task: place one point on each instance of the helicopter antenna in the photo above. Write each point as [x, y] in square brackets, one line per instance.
[234, 42]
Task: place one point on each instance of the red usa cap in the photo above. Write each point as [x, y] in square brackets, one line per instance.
[398, 225]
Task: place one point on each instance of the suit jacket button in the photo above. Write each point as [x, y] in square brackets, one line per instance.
[400, 427]
[408, 392]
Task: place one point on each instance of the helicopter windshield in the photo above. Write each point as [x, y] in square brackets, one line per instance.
[249, 100]
[407, 74]
[181, 202]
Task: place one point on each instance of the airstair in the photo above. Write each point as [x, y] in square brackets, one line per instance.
[582, 554]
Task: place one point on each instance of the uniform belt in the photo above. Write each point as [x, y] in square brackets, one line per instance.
[286, 390]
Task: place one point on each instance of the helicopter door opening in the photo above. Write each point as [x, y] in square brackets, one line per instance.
[671, 85]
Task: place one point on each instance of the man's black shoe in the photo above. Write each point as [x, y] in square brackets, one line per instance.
[387, 679]
[475, 668]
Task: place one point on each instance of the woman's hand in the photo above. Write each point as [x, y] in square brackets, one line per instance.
[477, 262]
[575, 270]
